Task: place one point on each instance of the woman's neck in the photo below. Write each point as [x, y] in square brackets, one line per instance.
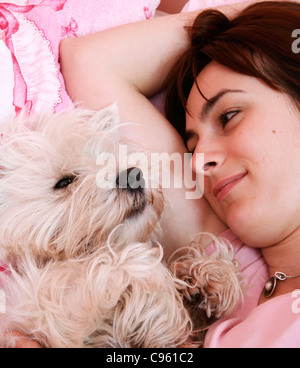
[284, 257]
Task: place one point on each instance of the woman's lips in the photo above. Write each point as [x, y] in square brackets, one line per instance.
[223, 187]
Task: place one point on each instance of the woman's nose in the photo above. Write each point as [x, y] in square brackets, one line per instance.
[210, 161]
[209, 165]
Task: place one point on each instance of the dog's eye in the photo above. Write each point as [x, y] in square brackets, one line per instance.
[65, 182]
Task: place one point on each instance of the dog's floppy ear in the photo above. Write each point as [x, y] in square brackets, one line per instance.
[107, 118]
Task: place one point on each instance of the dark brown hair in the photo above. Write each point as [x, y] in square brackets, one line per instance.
[258, 43]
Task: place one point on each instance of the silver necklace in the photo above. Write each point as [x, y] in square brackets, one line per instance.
[272, 283]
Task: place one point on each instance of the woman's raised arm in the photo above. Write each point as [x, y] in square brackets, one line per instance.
[133, 59]
[137, 56]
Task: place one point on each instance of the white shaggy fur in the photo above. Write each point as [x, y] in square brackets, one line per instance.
[84, 269]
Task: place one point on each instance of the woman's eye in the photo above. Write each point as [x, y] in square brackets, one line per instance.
[65, 182]
[227, 116]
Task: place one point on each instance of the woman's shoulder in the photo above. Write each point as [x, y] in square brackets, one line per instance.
[278, 321]
[274, 324]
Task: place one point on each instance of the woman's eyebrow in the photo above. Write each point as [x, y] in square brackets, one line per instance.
[209, 104]
[207, 107]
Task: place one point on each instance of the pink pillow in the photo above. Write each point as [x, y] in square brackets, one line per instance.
[203, 4]
[30, 32]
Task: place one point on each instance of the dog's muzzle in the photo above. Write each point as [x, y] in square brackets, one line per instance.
[131, 180]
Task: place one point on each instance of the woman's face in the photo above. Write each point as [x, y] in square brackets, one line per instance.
[250, 137]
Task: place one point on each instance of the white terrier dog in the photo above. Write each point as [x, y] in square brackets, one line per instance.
[83, 267]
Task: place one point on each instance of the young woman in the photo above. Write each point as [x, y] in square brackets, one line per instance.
[236, 94]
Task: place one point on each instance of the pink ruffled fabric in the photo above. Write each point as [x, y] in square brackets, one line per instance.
[30, 33]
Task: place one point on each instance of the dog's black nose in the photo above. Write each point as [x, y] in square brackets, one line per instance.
[131, 179]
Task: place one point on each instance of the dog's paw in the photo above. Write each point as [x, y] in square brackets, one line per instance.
[211, 283]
